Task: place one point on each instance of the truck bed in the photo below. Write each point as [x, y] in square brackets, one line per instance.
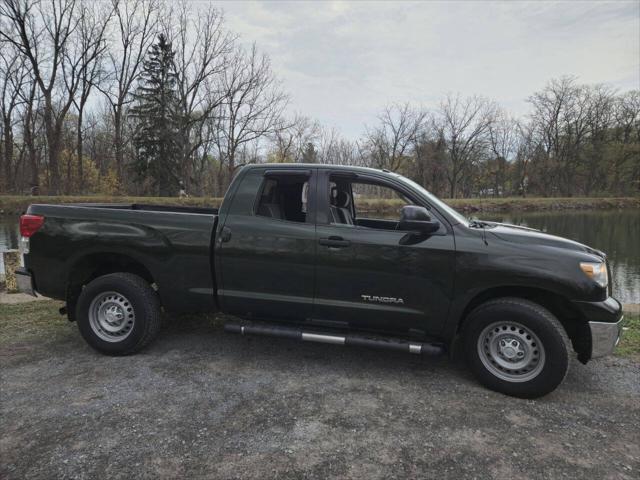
[170, 244]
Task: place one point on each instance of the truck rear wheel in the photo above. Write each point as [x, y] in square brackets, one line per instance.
[517, 347]
[118, 314]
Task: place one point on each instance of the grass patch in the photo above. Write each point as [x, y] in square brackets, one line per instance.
[629, 345]
[27, 320]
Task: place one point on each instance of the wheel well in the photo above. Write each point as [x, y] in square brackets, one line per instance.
[97, 264]
[559, 306]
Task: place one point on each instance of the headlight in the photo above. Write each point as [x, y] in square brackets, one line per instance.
[597, 271]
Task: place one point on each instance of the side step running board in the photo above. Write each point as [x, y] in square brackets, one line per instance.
[360, 340]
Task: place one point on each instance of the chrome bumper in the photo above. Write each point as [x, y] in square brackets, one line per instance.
[604, 337]
[25, 282]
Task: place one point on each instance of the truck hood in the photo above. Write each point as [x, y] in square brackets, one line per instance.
[531, 236]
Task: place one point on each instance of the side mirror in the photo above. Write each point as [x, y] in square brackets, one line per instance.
[417, 219]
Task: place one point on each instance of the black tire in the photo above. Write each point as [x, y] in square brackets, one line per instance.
[543, 372]
[139, 305]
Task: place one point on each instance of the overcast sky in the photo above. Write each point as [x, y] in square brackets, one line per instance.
[342, 61]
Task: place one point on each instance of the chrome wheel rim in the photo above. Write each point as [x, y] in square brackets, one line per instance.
[111, 316]
[511, 351]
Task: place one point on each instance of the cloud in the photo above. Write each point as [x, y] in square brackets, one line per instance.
[343, 61]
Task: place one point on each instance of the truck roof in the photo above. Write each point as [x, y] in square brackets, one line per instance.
[289, 166]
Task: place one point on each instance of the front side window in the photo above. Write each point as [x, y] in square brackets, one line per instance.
[284, 198]
[378, 201]
[365, 204]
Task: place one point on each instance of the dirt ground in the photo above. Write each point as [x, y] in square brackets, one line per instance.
[199, 403]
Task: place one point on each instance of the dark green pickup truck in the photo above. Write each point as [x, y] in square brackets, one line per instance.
[293, 252]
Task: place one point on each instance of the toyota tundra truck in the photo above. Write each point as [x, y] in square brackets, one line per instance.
[298, 251]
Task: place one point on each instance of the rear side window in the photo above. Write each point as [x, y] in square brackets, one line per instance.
[284, 198]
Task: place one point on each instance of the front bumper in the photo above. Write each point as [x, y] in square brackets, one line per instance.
[25, 282]
[604, 337]
[605, 326]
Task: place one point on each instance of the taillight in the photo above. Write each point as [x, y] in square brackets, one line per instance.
[29, 224]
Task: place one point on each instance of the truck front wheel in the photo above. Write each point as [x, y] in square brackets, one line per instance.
[118, 314]
[517, 347]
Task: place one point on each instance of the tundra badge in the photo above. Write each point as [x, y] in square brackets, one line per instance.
[375, 298]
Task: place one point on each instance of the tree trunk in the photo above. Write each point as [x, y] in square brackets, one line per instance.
[185, 163]
[117, 125]
[53, 143]
[452, 187]
[2, 186]
[79, 148]
[220, 187]
[231, 168]
[69, 183]
[8, 153]
[163, 188]
[31, 148]
[29, 140]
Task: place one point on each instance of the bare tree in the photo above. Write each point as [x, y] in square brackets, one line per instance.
[526, 150]
[503, 141]
[282, 141]
[42, 32]
[463, 124]
[429, 159]
[552, 114]
[626, 160]
[89, 48]
[136, 22]
[31, 125]
[253, 104]
[291, 137]
[392, 138]
[202, 49]
[575, 128]
[599, 121]
[13, 77]
[334, 149]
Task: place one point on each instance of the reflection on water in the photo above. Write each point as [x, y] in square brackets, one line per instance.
[615, 232]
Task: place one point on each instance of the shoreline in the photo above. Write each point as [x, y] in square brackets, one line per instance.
[17, 204]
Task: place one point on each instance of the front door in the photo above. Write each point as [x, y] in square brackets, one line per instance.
[369, 275]
[266, 248]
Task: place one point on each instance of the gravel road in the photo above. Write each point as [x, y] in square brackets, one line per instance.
[203, 404]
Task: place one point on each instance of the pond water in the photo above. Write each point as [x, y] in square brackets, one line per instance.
[616, 232]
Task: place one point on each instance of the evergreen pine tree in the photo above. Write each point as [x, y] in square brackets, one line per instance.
[157, 137]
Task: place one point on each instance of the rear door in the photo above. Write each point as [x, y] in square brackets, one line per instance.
[370, 275]
[266, 248]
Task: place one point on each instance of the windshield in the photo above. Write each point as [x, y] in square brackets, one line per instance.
[435, 201]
